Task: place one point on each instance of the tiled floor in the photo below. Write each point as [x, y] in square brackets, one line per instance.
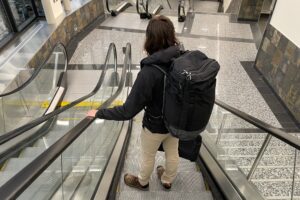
[206, 6]
[129, 21]
[220, 26]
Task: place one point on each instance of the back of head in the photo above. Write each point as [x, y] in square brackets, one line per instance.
[160, 34]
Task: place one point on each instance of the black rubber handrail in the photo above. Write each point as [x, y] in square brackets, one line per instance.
[18, 183]
[137, 4]
[181, 7]
[116, 11]
[107, 6]
[276, 132]
[16, 132]
[36, 72]
[147, 8]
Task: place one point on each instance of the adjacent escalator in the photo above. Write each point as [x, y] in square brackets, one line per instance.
[114, 7]
[34, 92]
[148, 8]
[13, 142]
[181, 10]
[84, 145]
[246, 158]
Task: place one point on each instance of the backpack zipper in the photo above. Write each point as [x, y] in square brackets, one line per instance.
[189, 75]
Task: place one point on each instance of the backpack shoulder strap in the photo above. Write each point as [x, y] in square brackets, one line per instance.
[164, 90]
[160, 69]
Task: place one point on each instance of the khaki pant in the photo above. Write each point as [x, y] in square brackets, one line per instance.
[150, 143]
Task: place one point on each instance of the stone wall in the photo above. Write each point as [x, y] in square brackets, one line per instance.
[250, 10]
[278, 60]
[68, 28]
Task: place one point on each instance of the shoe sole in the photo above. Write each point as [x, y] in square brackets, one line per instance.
[133, 186]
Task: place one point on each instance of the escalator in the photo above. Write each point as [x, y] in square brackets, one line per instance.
[114, 7]
[34, 92]
[181, 10]
[241, 158]
[145, 8]
[14, 156]
[78, 162]
[251, 159]
[148, 8]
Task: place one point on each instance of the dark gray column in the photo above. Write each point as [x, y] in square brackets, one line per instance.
[278, 60]
[250, 10]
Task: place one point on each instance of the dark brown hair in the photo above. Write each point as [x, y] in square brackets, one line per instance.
[160, 34]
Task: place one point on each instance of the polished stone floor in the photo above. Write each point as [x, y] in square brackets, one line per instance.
[219, 25]
[206, 6]
[129, 21]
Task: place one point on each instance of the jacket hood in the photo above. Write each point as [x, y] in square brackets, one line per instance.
[162, 57]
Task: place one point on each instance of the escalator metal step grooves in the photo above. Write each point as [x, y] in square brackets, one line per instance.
[188, 184]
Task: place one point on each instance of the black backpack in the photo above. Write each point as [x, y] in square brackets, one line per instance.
[189, 94]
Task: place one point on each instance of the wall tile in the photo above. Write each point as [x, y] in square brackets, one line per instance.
[282, 44]
[276, 37]
[71, 26]
[278, 60]
[290, 51]
[250, 9]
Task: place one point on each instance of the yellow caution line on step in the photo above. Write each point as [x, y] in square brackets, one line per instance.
[3, 166]
[82, 104]
[46, 104]
[26, 103]
[94, 104]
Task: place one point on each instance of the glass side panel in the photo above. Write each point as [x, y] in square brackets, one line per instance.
[235, 145]
[152, 4]
[83, 167]
[46, 184]
[47, 133]
[233, 142]
[113, 4]
[12, 76]
[32, 101]
[51, 131]
[84, 161]
[274, 173]
[97, 144]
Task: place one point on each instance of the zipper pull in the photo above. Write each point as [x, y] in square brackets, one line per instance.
[187, 74]
[184, 72]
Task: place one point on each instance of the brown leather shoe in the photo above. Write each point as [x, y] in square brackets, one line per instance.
[160, 170]
[133, 181]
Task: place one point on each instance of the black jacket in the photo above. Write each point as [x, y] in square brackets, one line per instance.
[146, 93]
